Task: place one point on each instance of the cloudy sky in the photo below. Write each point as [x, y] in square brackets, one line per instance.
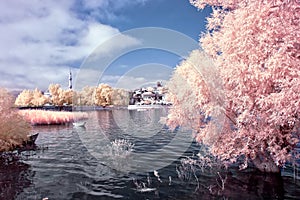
[41, 41]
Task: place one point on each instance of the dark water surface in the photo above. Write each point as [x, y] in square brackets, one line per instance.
[82, 163]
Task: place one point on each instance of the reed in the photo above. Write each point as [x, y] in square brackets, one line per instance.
[45, 117]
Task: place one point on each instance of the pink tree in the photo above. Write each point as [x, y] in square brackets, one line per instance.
[13, 128]
[102, 95]
[57, 94]
[68, 96]
[86, 96]
[255, 47]
[38, 98]
[24, 98]
[119, 97]
[31, 98]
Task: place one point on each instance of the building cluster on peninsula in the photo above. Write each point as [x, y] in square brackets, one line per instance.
[102, 95]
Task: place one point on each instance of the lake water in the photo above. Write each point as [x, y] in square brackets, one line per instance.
[114, 157]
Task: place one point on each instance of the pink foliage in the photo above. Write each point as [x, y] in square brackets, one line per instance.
[13, 128]
[31, 98]
[43, 117]
[196, 93]
[255, 46]
[224, 3]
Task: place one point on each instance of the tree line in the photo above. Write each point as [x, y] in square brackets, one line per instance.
[101, 95]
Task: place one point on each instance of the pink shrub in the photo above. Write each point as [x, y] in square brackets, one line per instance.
[44, 117]
[13, 128]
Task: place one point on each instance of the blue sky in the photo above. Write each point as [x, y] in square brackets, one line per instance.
[42, 40]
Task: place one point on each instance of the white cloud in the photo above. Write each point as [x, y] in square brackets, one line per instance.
[110, 78]
[41, 39]
[141, 76]
[133, 82]
[112, 4]
[94, 72]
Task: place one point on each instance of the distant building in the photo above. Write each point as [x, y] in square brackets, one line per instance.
[155, 95]
[47, 94]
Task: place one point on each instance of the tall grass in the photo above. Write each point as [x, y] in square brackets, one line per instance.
[44, 117]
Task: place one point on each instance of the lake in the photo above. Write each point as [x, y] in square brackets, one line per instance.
[123, 154]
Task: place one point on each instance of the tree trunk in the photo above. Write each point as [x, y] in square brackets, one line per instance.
[265, 163]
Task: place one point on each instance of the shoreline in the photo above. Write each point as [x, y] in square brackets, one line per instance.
[71, 108]
[82, 108]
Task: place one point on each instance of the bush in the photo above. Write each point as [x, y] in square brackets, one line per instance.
[13, 128]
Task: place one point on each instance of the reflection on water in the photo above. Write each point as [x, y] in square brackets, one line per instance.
[14, 176]
[66, 168]
[155, 146]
